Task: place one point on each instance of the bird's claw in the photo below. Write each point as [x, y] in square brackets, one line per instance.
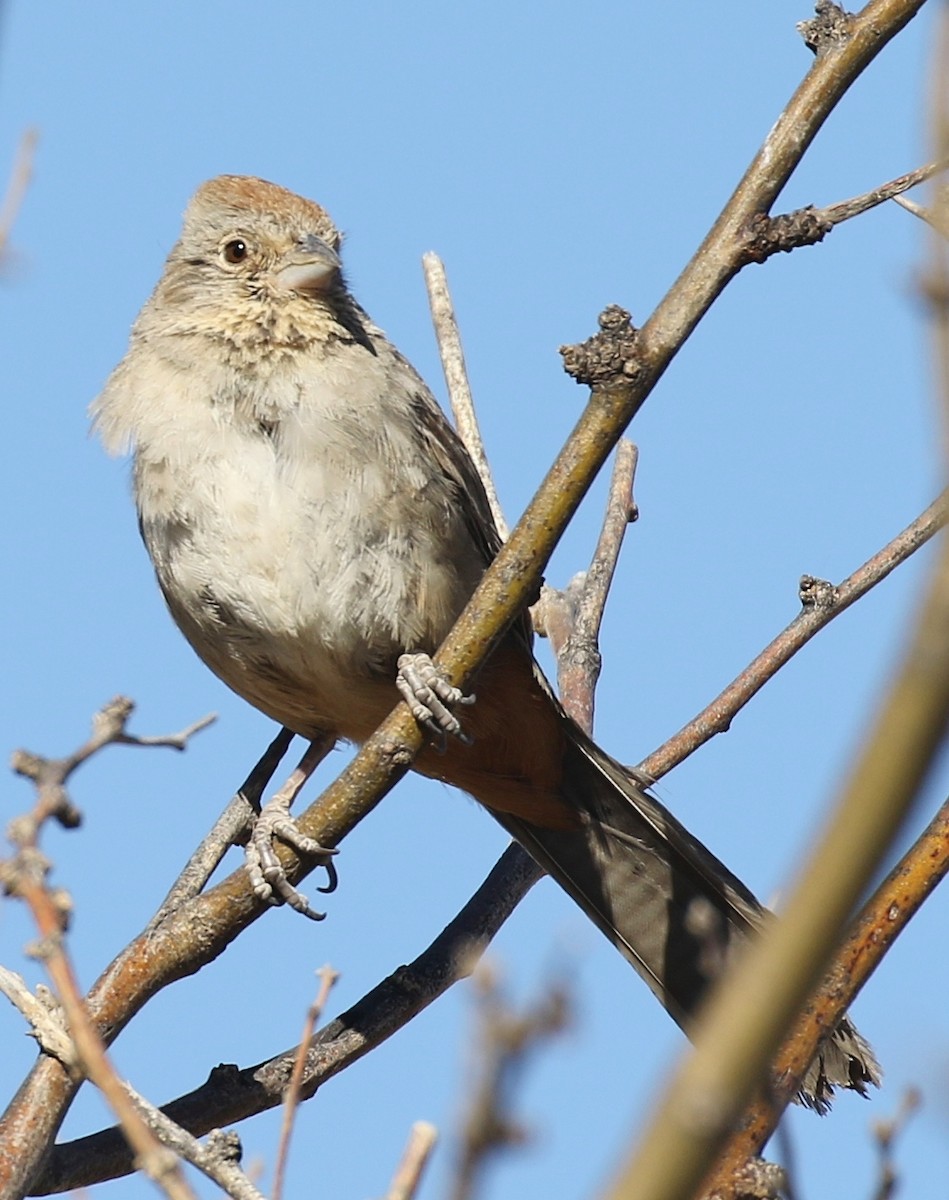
[267, 875]
[431, 697]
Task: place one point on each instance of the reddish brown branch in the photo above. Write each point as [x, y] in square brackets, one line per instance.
[884, 916]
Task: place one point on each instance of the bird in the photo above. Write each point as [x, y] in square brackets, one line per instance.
[316, 526]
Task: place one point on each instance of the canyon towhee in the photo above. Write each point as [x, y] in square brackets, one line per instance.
[316, 526]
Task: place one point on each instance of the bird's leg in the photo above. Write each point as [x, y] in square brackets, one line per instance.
[431, 697]
[267, 876]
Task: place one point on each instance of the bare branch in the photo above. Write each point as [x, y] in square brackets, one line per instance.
[17, 186]
[327, 977]
[742, 1023]
[573, 619]
[232, 1094]
[174, 741]
[229, 829]
[25, 876]
[50, 775]
[883, 918]
[506, 1041]
[414, 1160]
[845, 209]
[885, 1135]
[821, 603]
[456, 379]
[934, 217]
[45, 1017]
[219, 1159]
[767, 235]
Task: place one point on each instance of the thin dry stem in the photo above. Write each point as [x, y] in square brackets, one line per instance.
[844, 210]
[327, 977]
[571, 617]
[17, 186]
[934, 217]
[231, 828]
[150, 1156]
[505, 1043]
[218, 1159]
[50, 775]
[174, 741]
[822, 604]
[456, 379]
[418, 1151]
[25, 876]
[44, 1015]
[232, 1094]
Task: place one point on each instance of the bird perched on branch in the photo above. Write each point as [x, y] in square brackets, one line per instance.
[316, 526]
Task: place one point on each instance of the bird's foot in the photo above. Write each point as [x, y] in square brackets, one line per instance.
[431, 698]
[268, 877]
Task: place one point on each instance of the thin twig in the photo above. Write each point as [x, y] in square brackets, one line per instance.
[506, 1041]
[456, 379]
[44, 1015]
[822, 603]
[845, 209]
[934, 217]
[418, 1150]
[229, 829]
[218, 1159]
[885, 1134]
[25, 876]
[573, 618]
[232, 1094]
[327, 977]
[767, 235]
[17, 186]
[174, 741]
[50, 775]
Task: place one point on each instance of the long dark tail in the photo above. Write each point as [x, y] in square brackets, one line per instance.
[666, 902]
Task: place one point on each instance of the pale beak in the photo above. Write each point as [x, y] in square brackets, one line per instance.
[309, 267]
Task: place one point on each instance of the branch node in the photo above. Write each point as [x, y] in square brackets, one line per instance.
[765, 236]
[45, 948]
[759, 1179]
[609, 357]
[225, 1145]
[829, 30]
[27, 869]
[817, 593]
[110, 721]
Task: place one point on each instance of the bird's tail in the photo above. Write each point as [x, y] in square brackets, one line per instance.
[665, 901]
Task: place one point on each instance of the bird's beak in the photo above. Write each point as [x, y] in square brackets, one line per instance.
[309, 267]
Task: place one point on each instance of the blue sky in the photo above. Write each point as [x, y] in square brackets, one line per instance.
[559, 160]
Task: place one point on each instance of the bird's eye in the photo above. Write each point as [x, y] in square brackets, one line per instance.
[236, 251]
